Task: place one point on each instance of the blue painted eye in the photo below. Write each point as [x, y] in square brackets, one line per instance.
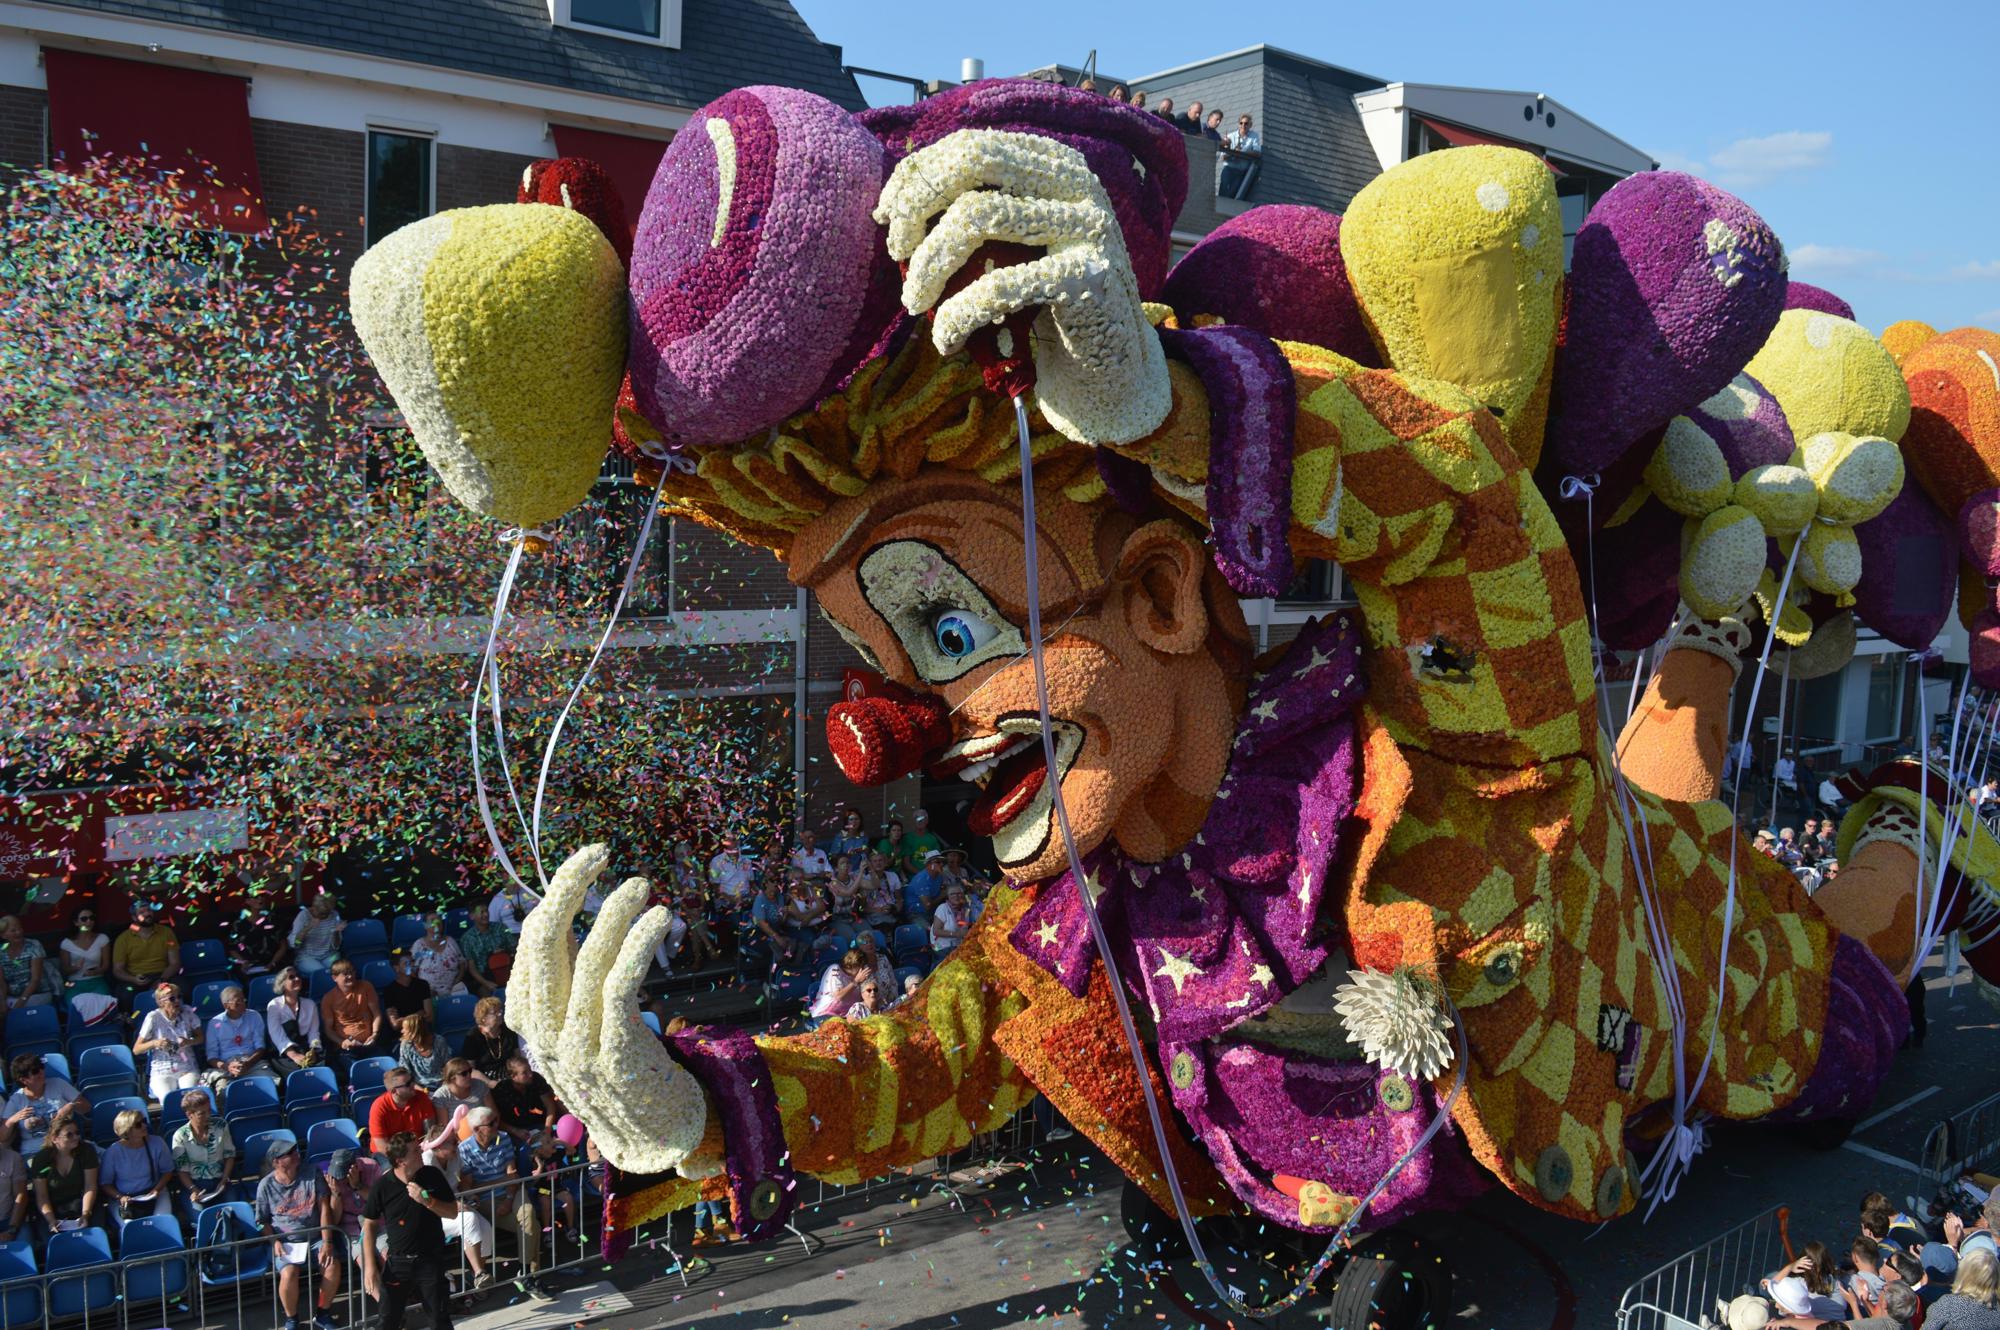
[959, 634]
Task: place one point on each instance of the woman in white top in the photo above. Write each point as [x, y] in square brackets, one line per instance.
[315, 935]
[171, 1038]
[86, 957]
[952, 921]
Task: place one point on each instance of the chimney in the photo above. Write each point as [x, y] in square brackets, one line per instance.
[971, 69]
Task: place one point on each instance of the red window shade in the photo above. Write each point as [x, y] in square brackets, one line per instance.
[630, 160]
[1464, 138]
[190, 121]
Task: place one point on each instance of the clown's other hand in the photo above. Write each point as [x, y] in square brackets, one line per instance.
[1101, 376]
[580, 1017]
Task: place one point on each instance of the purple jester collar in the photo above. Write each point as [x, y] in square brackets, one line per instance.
[1223, 930]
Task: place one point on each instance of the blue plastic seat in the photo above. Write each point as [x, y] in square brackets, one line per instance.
[33, 1030]
[208, 996]
[152, 1257]
[231, 1225]
[323, 1138]
[57, 1065]
[261, 989]
[255, 1148]
[204, 958]
[302, 1118]
[83, 1294]
[364, 937]
[311, 1085]
[173, 1117]
[21, 1303]
[107, 1070]
[408, 928]
[911, 937]
[905, 973]
[318, 984]
[104, 1112]
[366, 1073]
[359, 1104]
[107, 1035]
[454, 1015]
[456, 921]
[250, 1104]
[377, 972]
[795, 988]
[143, 1001]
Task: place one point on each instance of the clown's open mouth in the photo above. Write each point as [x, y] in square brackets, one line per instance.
[1008, 766]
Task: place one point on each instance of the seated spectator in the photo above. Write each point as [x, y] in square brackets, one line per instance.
[315, 935]
[692, 905]
[852, 840]
[952, 921]
[171, 1039]
[65, 1174]
[236, 1041]
[805, 905]
[351, 1016]
[809, 859]
[732, 872]
[422, 1051]
[1862, 1290]
[349, 1175]
[401, 1106]
[145, 953]
[85, 957]
[35, 1103]
[406, 994]
[291, 1022]
[488, 948]
[459, 1089]
[1910, 1273]
[920, 844]
[877, 964]
[1087, 84]
[24, 978]
[488, 1156]
[879, 893]
[510, 905]
[873, 1001]
[1189, 121]
[1244, 151]
[204, 1153]
[1804, 1288]
[15, 1193]
[843, 888]
[524, 1101]
[439, 962]
[491, 1044]
[258, 945]
[292, 1206]
[1942, 1258]
[923, 892]
[1974, 1300]
[840, 985]
[768, 919]
[136, 1171]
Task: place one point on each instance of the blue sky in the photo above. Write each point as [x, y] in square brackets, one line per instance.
[1867, 135]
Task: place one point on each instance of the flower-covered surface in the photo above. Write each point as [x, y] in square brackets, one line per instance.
[500, 331]
[582, 186]
[1828, 373]
[1804, 295]
[1673, 285]
[1277, 269]
[1904, 336]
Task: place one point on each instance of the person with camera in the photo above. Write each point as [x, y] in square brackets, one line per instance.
[409, 1204]
[292, 1020]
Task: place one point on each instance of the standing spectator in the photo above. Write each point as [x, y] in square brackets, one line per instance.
[23, 967]
[1165, 110]
[235, 1043]
[315, 935]
[400, 1107]
[351, 1016]
[14, 1193]
[489, 1156]
[554, 1199]
[925, 890]
[408, 1204]
[292, 1206]
[440, 963]
[731, 872]
[1118, 93]
[951, 922]
[491, 1045]
[524, 1101]
[136, 1169]
[1211, 128]
[851, 841]
[423, 1052]
[1974, 1300]
[171, 1038]
[1244, 151]
[406, 994]
[204, 1152]
[86, 957]
[459, 1089]
[917, 849]
[488, 948]
[291, 1019]
[65, 1173]
[1189, 121]
[145, 953]
[510, 905]
[37, 1099]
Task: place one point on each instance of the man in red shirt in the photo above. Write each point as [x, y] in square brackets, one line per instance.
[402, 1107]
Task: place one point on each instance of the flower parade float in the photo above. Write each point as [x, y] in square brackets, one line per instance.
[1310, 941]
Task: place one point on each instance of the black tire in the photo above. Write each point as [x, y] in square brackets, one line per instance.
[1391, 1282]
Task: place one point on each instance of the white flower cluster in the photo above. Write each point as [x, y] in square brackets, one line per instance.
[1101, 376]
[1397, 1021]
[645, 1112]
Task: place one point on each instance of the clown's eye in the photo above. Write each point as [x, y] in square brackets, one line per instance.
[959, 634]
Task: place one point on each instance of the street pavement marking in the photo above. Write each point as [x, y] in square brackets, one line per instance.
[1894, 1109]
[1880, 1156]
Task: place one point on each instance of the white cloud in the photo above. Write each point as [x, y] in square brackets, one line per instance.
[1830, 258]
[1988, 268]
[1754, 161]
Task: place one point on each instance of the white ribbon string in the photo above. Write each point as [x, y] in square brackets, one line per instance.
[488, 671]
[1931, 913]
[1229, 1297]
[589, 670]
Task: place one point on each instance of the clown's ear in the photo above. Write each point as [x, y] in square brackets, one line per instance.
[1162, 564]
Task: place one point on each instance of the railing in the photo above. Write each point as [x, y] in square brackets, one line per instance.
[1960, 1143]
[1686, 1289]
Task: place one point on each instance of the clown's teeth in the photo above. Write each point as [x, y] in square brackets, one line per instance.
[982, 770]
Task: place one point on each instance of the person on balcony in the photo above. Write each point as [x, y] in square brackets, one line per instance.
[1243, 152]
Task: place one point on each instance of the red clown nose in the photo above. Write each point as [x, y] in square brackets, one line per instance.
[877, 739]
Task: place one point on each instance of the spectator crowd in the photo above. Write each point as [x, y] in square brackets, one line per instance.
[1241, 148]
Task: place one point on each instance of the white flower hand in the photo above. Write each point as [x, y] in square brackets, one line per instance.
[645, 1112]
[1100, 374]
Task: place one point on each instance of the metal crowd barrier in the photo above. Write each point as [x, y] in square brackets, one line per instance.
[1684, 1291]
[1968, 1140]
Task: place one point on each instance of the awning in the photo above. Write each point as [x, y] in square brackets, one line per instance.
[190, 122]
[1464, 138]
[630, 159]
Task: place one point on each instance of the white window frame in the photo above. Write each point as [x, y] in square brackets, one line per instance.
[670, 24]
[406, 129]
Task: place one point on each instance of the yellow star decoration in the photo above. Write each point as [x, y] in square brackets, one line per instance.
[1266, 710]
[1177, 968]
[1045, 932]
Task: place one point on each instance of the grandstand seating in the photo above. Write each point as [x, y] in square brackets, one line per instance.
[85, 1295]
[406, 930]
[203, 959]
[454, 1015]
[144, 1240]
[104, 1113]
[255, 1148]
[366, 1073]
[225, 1223]
[34, 1030]
[21, 1305]
[311, 1085]
[364, 939]
[173, 1117]
[250, 1104]
[262, 988]
[377, 971]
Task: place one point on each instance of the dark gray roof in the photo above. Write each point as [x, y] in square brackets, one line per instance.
[724, 43]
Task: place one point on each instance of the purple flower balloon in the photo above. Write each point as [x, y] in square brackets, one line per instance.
[1674, 285]
[1909, 569]
[1804, 295]
[1276, 269]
